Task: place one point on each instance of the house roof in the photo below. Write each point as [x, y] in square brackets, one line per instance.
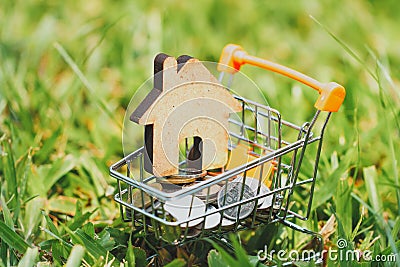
[158, 84]
[164, 79]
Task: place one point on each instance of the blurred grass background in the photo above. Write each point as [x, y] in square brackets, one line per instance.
[60, 131]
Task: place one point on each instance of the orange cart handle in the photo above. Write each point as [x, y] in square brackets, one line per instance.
[331, 95]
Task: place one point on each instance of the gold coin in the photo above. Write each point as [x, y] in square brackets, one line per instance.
[174, 180]
[187, 173]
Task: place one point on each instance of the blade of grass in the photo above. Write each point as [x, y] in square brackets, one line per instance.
[76, 256]
[60, 253]
[130, 255]
[176, 263]
[96, 176]
[227, 258]
[240, 253]
[214, 259]
[383, 69]
[343, 235]
[344, 46]
[6, 213]
[48, 146]
[328, 190]
[85, 82]
[10, 172]
[343, 205]
[47, 175]
[13, 239]
[65, 243]
[396, 228]
[30, 258]
[105, 30]
[140, 257]
[24, 181]
[392, 151]
[32, 215]
[79, 221]
[50, 224]
[95, 249]
[355, 231]
[4, 252]
[370, 176]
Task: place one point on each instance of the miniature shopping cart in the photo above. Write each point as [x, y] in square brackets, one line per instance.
[261, 190]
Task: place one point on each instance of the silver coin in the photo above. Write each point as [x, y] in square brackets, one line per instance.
[212, 219]
[226, 222]
[231, 194]
[267, 203]
[168, 187]
[259, 187]
[186, 208]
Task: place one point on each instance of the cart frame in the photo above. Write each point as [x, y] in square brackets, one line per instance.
[272, 146]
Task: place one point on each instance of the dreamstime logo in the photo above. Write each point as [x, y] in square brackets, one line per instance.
[341, 243]
[343, 253]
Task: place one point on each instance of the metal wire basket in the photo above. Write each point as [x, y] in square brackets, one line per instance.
[227, 204]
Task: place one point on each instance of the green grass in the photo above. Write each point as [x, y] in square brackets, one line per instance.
[68, 71]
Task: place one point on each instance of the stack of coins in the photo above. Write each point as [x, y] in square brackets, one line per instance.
[186, 176]
[199, 209]
[208, 194]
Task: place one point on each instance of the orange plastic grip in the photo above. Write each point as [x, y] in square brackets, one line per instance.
[331, 95]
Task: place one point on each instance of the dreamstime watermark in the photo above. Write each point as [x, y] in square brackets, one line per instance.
[340, 254]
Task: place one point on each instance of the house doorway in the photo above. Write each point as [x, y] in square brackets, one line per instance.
[190, 153]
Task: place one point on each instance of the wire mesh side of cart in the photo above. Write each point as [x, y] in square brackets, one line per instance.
[274, 141]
